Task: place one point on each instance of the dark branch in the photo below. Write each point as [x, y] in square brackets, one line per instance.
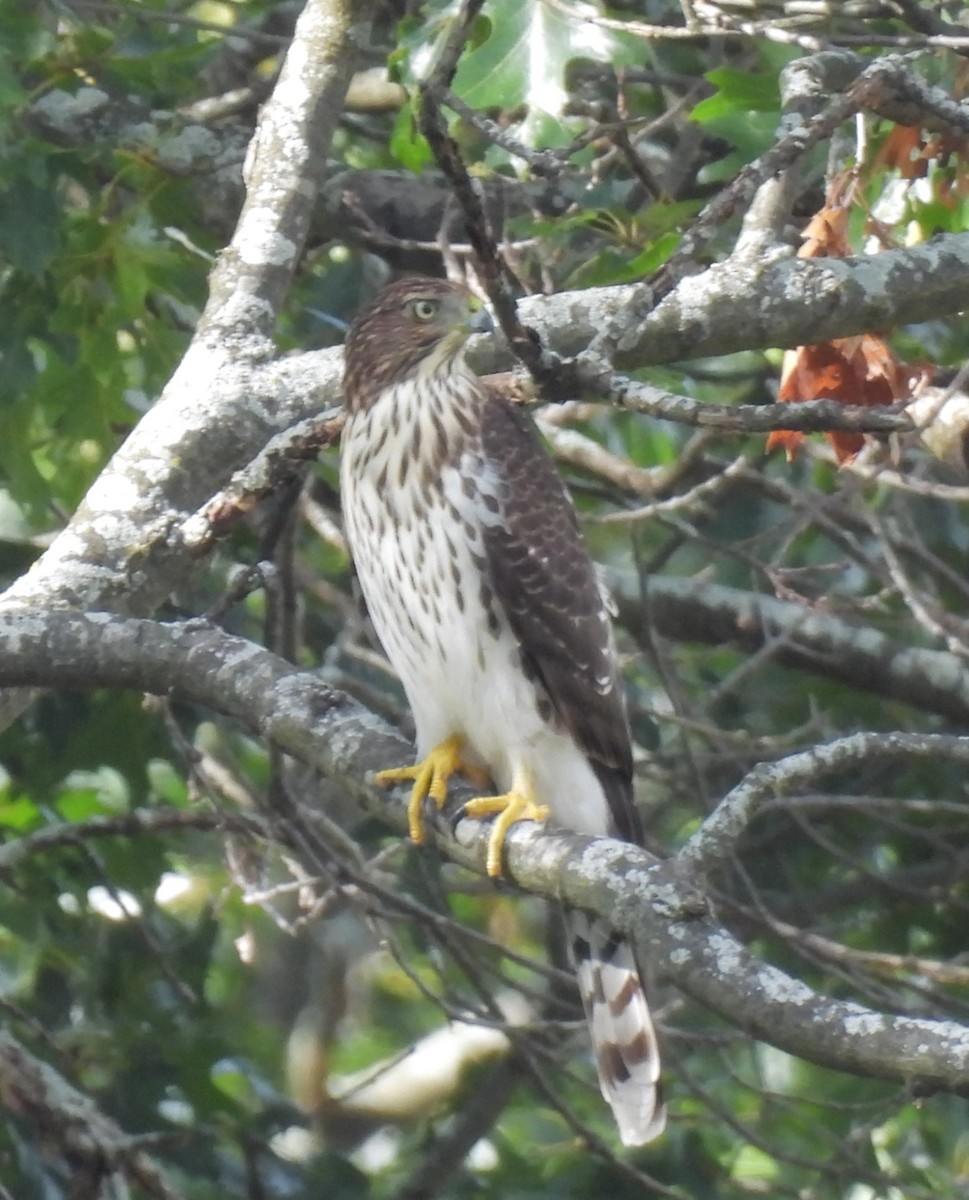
[93, 1145]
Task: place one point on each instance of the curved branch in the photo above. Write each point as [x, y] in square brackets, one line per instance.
[375, 206]
[92, 1142]
[713, 844]
[656, 900]
[137, 823]
[122, 548]
[707, 963]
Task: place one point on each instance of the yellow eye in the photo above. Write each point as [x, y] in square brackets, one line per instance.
[425, 310]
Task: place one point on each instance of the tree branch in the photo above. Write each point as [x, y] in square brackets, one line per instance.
[122, 549]
[655, 900]
[712, 846]
[93, 1142]
[285, 166]
[777, 303]
[802, 637]
[137, 823]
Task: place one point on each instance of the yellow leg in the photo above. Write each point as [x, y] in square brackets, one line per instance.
[431, 778]
[517, 805]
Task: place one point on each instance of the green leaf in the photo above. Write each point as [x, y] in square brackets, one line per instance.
[738, 92]
[234, 1078]
[754, 1167]
[86, 793]
[522, 61]
[750, 136]
[166, 783]
[654, 255]
[29, 224]
[611, 266]
[20, 814]
[406, 143]
[518, 59]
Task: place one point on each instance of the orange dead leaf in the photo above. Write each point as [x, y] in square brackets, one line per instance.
[911, 151]
[904, 150]
[788, 440]
[826, 234]
[860, 370]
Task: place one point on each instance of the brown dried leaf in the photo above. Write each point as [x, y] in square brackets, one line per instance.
[860, 370]
[826, 234]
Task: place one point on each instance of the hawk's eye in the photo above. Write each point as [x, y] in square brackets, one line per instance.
[425, 310]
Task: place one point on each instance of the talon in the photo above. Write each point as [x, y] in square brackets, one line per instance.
[514, 806]
[430, 778]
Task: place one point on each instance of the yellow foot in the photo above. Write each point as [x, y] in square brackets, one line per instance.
[431, 779]
[513, 806]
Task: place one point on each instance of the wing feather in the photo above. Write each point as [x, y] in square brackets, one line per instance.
[545, 580]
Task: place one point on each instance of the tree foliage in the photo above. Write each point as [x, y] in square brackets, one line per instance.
[727, 226]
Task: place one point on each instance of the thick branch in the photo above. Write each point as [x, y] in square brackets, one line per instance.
[125, 547]
[400, 212]
[295, 711]
[806, 638]
[227, 397]
[711, 966]
[92, 1142]
[284, 169]
[784, 303]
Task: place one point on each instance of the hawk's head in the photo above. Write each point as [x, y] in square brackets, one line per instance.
[414, 326]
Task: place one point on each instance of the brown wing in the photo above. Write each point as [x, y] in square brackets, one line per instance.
[544, 579]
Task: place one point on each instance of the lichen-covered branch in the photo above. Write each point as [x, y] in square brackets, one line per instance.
[295, 711]
[805, 638]
[714, 843]
[96, 1148]
[284, 168]
[122, 548]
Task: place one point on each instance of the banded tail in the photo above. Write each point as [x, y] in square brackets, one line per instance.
[623, 1037]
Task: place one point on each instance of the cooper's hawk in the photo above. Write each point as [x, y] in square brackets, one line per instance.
[487, 604]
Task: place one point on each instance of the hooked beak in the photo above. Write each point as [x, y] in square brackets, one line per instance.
[479, 320]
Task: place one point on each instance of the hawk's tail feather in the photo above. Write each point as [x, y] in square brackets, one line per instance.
[623, 1037]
